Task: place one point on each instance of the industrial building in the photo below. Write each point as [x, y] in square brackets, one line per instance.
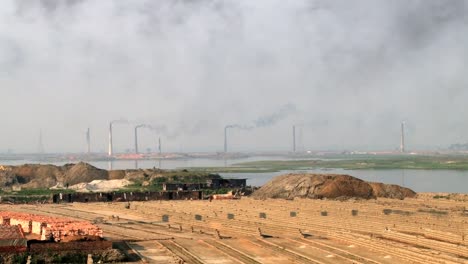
[214, 183]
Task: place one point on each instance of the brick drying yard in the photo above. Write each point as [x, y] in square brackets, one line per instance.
[417, 230]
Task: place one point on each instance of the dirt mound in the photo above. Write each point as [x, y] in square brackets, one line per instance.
[36, 175]
[332, 186]
[48, 176]
[116, 174]
[83, 172]
[391, 191]
[314, 186]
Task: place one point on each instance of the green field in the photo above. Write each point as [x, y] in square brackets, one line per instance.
[356, 163]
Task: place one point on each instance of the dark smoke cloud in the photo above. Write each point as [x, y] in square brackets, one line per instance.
[267, 120]
[272, 119]
[362, 65]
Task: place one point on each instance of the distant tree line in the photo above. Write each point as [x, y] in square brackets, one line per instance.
[459, 146]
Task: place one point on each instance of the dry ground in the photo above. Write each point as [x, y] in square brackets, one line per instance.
[420, 230]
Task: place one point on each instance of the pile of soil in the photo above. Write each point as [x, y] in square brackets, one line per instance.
[45, 175]
[331, 186]
[391, 191]
[36, 175]
[116, 174]
[83, 172]
[31, 176]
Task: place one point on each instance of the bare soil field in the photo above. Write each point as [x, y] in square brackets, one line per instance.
[414, 230]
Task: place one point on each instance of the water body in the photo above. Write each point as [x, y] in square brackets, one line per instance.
[451, 181]
[148, 164]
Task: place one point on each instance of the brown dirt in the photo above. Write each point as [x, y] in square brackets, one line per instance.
[332, 186]
[47, 176]
[116, 174]
[38, 176]
[83, 172]
[391, 191]
[352, 231]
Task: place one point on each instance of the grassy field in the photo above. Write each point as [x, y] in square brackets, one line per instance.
[358, 163]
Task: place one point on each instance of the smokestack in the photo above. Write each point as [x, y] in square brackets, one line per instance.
[88, 141]
[294, 138]
[136, 139]
[136, 136]
[225, 139]
[402, 139]
[110, 140]
[159, 146]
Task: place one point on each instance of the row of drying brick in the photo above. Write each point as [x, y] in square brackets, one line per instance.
[52, 228]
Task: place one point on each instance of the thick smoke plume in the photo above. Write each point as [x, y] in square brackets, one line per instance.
[268, 120]
[191, 65]
[272, 119]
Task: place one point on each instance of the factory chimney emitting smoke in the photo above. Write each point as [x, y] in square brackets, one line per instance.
[402, 139]
[88, 141]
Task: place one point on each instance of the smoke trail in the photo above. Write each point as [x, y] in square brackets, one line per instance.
[267, 120]
[238, 126]
[157, 128]
[272, 119]
[372, 58]
[119, 121]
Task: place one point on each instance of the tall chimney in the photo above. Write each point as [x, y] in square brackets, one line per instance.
[159, 146]
[402, 139]
[294, 138]
[88, 141]
[136, 139]
[225, 139]
[110, 140]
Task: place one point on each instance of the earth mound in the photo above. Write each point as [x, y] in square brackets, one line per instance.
[35, 175]
[315, 186]
[31, 176]
[331, 186]
[391, 191]
[83, 172]
[116, 174]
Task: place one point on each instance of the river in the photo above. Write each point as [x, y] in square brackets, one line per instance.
[452, 181]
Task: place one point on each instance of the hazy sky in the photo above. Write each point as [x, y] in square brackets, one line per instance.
[349, 71]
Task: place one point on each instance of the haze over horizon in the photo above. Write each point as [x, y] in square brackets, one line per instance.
[347, 71]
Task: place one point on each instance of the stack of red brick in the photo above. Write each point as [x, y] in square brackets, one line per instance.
[12, 239]
[52, 228]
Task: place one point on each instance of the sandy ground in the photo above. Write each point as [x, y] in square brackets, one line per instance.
[419, 230]
[100, 185]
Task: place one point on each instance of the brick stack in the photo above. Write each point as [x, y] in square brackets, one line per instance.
[12, 239]
[52, 228]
